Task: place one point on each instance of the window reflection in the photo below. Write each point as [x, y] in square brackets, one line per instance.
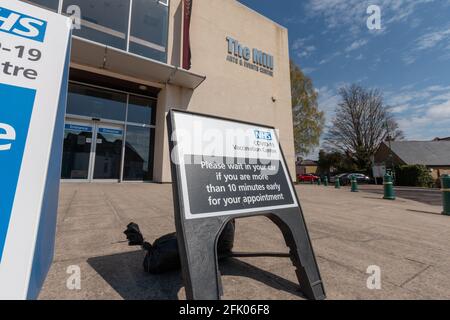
[48, 4]
[103, 21]
[141, 110]
[77, 150]
[96, 103]
[106, 105]
[108, 153]
[149, 27]
[106, 22]
[138, 154]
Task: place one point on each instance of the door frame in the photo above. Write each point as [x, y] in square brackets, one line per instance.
[95, 124]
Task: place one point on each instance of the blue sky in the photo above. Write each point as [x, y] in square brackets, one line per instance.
[408, 59]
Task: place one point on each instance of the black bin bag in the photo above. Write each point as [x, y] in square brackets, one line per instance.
[163, 255]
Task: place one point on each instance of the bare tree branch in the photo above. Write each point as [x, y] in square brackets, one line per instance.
[361, 124]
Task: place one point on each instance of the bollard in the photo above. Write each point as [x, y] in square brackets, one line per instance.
[446, 194]
[325, 181]
[337, 183]
[389, 192]
[319, 182]
[354, 184]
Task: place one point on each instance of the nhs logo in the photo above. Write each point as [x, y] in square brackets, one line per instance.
[263, 135]
[22, 25]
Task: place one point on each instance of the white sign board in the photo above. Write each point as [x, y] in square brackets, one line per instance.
[229, 167]
[379, 171]
[34, 60]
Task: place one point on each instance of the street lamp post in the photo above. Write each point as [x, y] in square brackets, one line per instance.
[390, 162]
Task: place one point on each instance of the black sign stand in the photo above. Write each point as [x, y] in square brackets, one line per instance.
[197, 240]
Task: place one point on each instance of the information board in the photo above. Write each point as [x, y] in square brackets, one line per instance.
[224, 169]
[34, 62]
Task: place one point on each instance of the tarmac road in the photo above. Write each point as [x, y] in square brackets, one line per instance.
[427, 196]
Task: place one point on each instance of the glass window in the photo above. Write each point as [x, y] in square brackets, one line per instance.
[138, 154]
[49, 4]
[141, 110]
[149, 28]
[103, 21]
[96, 103]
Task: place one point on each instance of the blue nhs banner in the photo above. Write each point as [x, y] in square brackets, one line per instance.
[22, 25]
[31, 141]
[15, 115]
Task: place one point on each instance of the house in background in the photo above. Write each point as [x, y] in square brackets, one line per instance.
[442, 139]
[435, 155]
[306, 166]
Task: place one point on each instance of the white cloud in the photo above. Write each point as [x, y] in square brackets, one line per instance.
[356, 45]
[352, 14]
[432, 39]
[308, 70]
[409, 59]
[440, 111]
[301, 48]
[329, 58]
[299, 43]
[400, 108]
[328, 101]
[422, 114]
[402, 98]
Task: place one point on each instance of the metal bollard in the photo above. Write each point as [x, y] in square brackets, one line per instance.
[446, 194]
[389, 192]
[325, 181]
[337, 183]
[354, 184]
[319, 182]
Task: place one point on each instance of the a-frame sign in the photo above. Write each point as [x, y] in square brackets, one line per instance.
[224, 169]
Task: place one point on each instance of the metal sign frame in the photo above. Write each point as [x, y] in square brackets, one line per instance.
[197, 238]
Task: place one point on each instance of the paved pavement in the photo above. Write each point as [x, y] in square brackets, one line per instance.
[428, 196]
[408, 240]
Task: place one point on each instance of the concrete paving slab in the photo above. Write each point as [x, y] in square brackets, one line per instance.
[433, 282]
[408, 240]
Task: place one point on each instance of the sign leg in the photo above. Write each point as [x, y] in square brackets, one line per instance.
[201, 272]
[293, 227]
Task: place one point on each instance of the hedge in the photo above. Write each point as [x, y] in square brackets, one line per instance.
[413, 176]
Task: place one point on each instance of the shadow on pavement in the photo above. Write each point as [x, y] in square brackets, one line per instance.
[125, 274]
[427, 212]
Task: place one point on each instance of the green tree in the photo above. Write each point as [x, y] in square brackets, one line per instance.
[308, 120]
[335, 162]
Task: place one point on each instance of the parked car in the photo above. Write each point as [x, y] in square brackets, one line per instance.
[307, 177]
[339, 176]
[360, 178]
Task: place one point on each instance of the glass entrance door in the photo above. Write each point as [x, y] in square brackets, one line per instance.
[92, 151]
[108, 152]
[77, 150]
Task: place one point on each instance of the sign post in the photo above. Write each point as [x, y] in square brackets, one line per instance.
[34, 61]
[224, 169]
